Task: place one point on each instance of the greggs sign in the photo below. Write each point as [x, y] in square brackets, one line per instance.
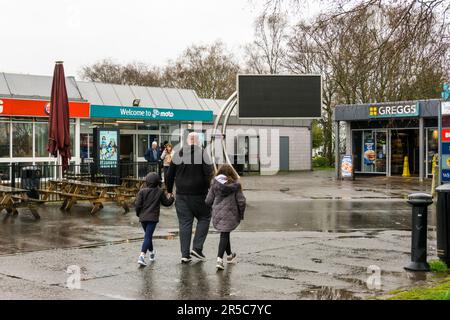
[394, 111]
[39, 108]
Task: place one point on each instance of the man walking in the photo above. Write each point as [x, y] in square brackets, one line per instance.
[191, 171]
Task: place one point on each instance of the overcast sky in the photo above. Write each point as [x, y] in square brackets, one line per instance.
[36, 33]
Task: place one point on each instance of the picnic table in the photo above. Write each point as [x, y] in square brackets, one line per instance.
[132, 184]
[78, 176]
[13, 198]
[96, 193]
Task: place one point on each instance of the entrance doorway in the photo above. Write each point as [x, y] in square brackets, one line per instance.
[404, 143]
[126, 148]
[284, 153]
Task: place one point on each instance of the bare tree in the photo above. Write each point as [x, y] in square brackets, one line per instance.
[208, 69]
[108, 71]
[266, 53]
[364, 58]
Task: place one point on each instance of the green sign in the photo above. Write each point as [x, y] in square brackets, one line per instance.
[394, 110]
[145, 113]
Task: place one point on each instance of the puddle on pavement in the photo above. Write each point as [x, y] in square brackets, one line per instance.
[327, 293]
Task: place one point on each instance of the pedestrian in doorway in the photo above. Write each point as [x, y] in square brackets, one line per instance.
[166, 157]
[148, 204]
[191, 172]
[153, 156]
[228, 205]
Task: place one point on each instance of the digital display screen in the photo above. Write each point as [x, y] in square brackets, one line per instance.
[279, 96]
[108, 145]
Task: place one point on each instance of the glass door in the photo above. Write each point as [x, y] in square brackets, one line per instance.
[381, 148]
[370, 151]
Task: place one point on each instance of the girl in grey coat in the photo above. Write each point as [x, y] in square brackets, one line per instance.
[228, 205]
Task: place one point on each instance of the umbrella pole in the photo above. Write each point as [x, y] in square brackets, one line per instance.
[59, 163]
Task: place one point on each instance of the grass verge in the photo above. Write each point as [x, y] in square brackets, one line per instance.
[439, 291]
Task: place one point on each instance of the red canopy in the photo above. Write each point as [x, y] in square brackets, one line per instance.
[58, 122]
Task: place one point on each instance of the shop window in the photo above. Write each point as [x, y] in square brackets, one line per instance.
[41, 139]
[86, 145]
[432, 147]
[22, 139]
[4, 140]
[154, 126]
[72, 139]
[143, 144]
[370, 151]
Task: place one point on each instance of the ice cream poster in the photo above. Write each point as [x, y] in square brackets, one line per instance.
[108, 146]
[347, 166]
[369, 152]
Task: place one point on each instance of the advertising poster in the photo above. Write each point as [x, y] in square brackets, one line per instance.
[347, 166]
[108, 145]
[369, 152]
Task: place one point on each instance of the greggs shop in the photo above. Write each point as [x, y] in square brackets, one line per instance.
[389, 138]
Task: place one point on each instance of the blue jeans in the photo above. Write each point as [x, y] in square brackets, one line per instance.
[149, 228]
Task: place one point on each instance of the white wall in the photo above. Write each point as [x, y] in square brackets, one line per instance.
[299, 146]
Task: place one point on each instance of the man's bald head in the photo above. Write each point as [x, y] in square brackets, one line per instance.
[192, 139]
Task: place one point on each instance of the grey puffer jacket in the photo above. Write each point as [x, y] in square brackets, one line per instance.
[228, 204]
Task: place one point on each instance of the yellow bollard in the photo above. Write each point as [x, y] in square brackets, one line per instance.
[406, 168]
[434, 173]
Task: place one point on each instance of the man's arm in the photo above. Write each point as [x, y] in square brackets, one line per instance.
[171, 177]
[208, 170]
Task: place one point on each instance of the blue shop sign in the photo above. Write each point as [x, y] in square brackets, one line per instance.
[145, 113]
[445, 175]
[446, 148]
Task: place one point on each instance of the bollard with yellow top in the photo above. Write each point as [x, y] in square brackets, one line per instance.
[406, 172]
[434, 170]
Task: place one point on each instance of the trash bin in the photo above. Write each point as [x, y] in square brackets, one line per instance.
[238, 163]
[443, 223]
[30, 178]
[419, 203]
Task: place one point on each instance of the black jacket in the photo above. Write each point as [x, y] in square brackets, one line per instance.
[149, 199]
[191, 171]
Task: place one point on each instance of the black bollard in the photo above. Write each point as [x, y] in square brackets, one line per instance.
[420, 203]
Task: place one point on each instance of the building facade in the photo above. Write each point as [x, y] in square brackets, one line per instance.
[143, 115]
[379, 136]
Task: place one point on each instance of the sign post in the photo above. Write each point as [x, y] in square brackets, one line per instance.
[444, 136]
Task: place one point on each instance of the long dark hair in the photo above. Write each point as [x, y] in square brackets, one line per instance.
[228, 171]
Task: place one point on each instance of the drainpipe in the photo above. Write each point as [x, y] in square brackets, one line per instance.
[336, 148]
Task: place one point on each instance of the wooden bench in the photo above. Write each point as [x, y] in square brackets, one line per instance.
[30, 203]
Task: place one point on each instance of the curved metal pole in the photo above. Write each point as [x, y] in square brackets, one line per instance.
[223, 110]
[224, 128]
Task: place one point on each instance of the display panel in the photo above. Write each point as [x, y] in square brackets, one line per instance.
[279, 96]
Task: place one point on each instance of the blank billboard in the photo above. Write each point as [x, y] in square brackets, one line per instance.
[279, 96]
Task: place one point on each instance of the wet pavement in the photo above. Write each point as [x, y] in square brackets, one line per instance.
[305, 236]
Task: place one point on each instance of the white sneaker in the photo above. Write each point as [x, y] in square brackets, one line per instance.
[232, 258]
[152, 255]
[219, 264]
[141, 261]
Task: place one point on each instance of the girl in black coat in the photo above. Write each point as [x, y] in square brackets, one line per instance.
[148, 204]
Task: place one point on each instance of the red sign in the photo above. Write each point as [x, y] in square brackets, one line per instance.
[445, 135]
[39, 108]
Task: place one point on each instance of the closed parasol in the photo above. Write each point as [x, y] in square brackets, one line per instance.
[58, 122]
